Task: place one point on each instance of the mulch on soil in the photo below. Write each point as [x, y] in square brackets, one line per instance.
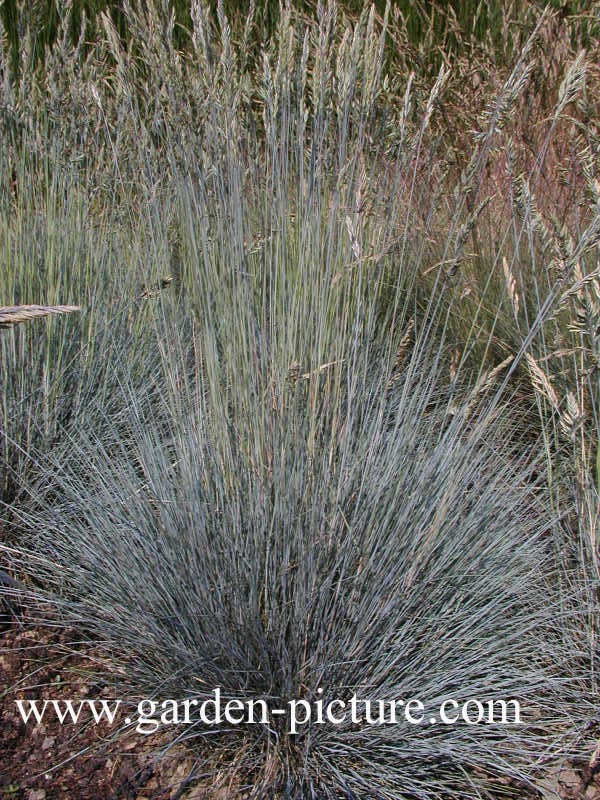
[37, 761]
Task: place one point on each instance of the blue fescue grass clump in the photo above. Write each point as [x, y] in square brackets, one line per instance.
[292, 471]
[334, 532]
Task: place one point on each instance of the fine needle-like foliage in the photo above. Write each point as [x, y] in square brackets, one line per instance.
[329, 537]
[328, 418]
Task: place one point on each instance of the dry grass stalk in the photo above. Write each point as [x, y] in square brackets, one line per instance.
[13, 315]
[572, 418]
[541, 382]
[402, 350]
[582, 282]
[511, 286]
[155, 290]
[320, 369]
[485, 383]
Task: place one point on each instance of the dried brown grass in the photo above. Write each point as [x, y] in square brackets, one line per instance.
[14, 315]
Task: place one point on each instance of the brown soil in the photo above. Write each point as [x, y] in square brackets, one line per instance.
[37, 761]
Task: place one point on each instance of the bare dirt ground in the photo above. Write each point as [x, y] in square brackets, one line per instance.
[37, 761]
